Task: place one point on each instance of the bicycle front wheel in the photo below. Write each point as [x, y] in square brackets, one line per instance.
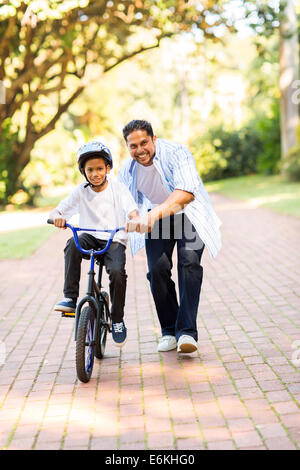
[85, 344]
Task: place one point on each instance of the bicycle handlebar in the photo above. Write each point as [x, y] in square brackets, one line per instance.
[79, 229]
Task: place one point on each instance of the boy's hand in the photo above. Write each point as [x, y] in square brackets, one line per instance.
[60, 223]
[141, 225]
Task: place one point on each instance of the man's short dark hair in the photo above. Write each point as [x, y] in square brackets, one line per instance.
[137, 125]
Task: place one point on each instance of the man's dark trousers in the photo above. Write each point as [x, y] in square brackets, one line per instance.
[175, 318]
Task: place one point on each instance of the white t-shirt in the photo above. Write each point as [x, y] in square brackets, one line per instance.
[149, 183]
[103, 210]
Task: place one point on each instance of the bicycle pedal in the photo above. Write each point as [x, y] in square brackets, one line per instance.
[68, 314]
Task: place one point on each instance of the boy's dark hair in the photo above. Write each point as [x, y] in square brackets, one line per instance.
[137, 125]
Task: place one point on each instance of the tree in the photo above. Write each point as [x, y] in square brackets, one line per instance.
[269, 17]
[289, 74]
[48, 50]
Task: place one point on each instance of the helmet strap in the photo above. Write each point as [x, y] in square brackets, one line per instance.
[95, 185]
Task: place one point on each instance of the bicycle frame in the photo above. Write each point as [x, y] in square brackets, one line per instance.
[92, 285]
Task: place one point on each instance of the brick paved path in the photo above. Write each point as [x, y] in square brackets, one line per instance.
[241, 392]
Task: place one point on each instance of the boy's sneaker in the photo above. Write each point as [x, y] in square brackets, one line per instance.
[119, 333]
[66, 305]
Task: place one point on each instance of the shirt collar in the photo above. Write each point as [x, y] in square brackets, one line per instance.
[132, 165]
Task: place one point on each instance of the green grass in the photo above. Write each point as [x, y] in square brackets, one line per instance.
[51, 200]
[271, 192]
[23, 243]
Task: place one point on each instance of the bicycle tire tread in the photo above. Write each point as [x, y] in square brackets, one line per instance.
[82, 374]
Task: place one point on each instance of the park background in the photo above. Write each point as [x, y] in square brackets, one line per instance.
[218, 76]
[222, 78]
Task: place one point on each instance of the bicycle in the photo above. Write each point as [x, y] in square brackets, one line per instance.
[92, 321]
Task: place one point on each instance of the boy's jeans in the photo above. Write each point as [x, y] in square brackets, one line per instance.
[114, 261]
[175, 319]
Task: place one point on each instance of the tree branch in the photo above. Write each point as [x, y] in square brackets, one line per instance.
[5, 43]
[135, 53]
[61, 109]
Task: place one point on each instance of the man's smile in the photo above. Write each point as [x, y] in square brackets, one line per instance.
[142, 157]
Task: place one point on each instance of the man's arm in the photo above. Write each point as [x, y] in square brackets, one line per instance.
[177, 200]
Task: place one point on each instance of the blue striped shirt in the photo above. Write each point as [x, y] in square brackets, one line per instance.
[177, 169]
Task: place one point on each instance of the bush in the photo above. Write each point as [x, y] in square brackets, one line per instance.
[254, 148]
[8, 137]
[210, 163]
[268, 160]
[291, 164]
[223, 154]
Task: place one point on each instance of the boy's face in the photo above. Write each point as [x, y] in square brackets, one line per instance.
[141, 147]
[96, 170]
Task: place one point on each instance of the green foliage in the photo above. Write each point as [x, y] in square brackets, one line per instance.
[291, 164]
[263, 15]
[224, 154]
[268, 160]
[8, 137]
[210, 162]
[50, 51]
[254, 148]
[53, 161]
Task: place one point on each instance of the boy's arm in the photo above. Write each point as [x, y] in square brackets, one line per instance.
[65, 209]
[128, 203]
[58, 219]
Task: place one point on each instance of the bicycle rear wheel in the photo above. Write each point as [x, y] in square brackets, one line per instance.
[102, 327]
[85, 344]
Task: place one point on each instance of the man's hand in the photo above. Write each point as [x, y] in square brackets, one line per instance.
[140, 224]
[176, 201]
[59, 222]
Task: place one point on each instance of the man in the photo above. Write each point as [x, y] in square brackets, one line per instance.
[174, 208]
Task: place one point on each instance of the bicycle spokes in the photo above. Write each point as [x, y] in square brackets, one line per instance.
[90, 347]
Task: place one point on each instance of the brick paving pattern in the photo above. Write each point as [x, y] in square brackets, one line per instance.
[241, 391]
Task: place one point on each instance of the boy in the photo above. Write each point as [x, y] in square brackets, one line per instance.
[101, 204]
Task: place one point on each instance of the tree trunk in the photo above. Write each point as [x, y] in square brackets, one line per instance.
[19, 159]
[289, 73]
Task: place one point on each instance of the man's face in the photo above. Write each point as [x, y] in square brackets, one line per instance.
[95, 170]
[141, 147]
